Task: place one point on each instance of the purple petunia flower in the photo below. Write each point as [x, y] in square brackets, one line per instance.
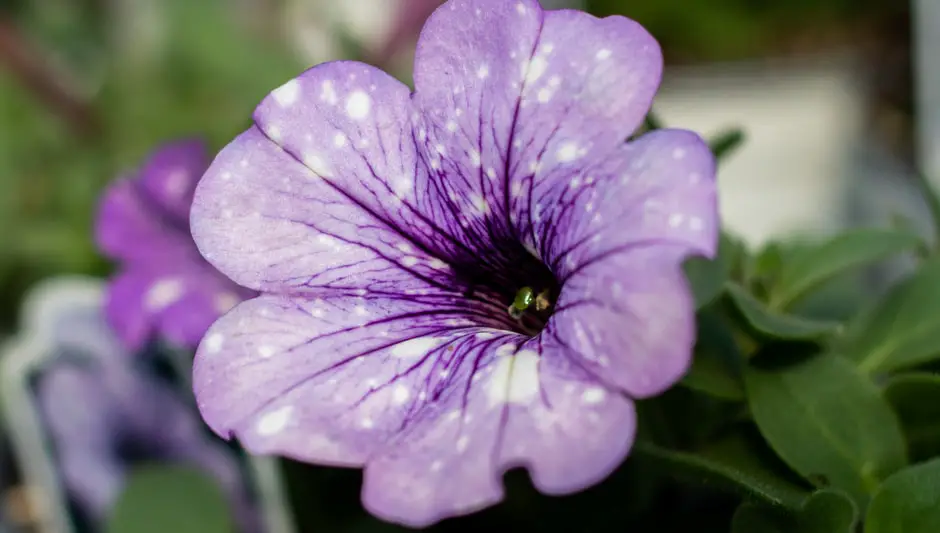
[165, 287]
[474, 276]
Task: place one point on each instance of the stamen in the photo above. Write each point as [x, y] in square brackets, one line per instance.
[523, 299]
[531, 311]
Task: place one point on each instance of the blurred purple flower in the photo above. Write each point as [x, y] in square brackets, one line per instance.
[165, 288]
[391, 232]
[103, 414]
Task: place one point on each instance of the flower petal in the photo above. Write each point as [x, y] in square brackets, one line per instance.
[270, 223]
[515, 93]
[520, 409]
[170, 175]
[327, 380]
[414, 389]
[129, 228]
[178, 300]
[125, 306]
[615, 235]
[628, 319]
[658, 189]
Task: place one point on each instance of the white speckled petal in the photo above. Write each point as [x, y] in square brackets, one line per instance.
[329, 380]
[509, 94]
[516, 409]
[435, 409]
[616, 234]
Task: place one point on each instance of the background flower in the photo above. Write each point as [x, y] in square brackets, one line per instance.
[104, 413]
[390, 232]
[164, 288]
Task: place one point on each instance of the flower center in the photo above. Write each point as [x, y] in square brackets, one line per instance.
[531, 308]
[523, 288]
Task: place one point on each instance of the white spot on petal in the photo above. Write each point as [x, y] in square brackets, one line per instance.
[266, 351]
[339, 140]
[535, 69]
[274, 421]
[400, 394]
[316, 165]
[213, 342]
[483, 72]
[475, 159]
[505, 350]
[462, 443]
[515, 379]
[602, 54]
[479, 203]
[328, 94]
[593, 395]
[163, 293]
[409, 261]
[287, 94]
[176, 183]
[568, 152]
[358, 105]
[415, 347]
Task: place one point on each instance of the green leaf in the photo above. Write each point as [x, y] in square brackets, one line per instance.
[766, 263]
[902, 329]
[717, 361]
[755, 518]
[827, 422]
[708, 276]
[162, 498]
[811, 266]
[737, 463]
[726, 142]
[916, 400]
[828, 511]
[773, 323]
[710, 375]
[825, 511]
[907, 502]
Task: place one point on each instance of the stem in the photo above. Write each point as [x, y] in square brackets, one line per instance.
[933, 203]
[32, 69]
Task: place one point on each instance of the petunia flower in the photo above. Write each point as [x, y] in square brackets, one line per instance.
[478, 275]
[165, 288]
[103, 414]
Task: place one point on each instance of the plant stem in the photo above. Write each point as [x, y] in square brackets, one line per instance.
[933, 204]
[32, 69]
